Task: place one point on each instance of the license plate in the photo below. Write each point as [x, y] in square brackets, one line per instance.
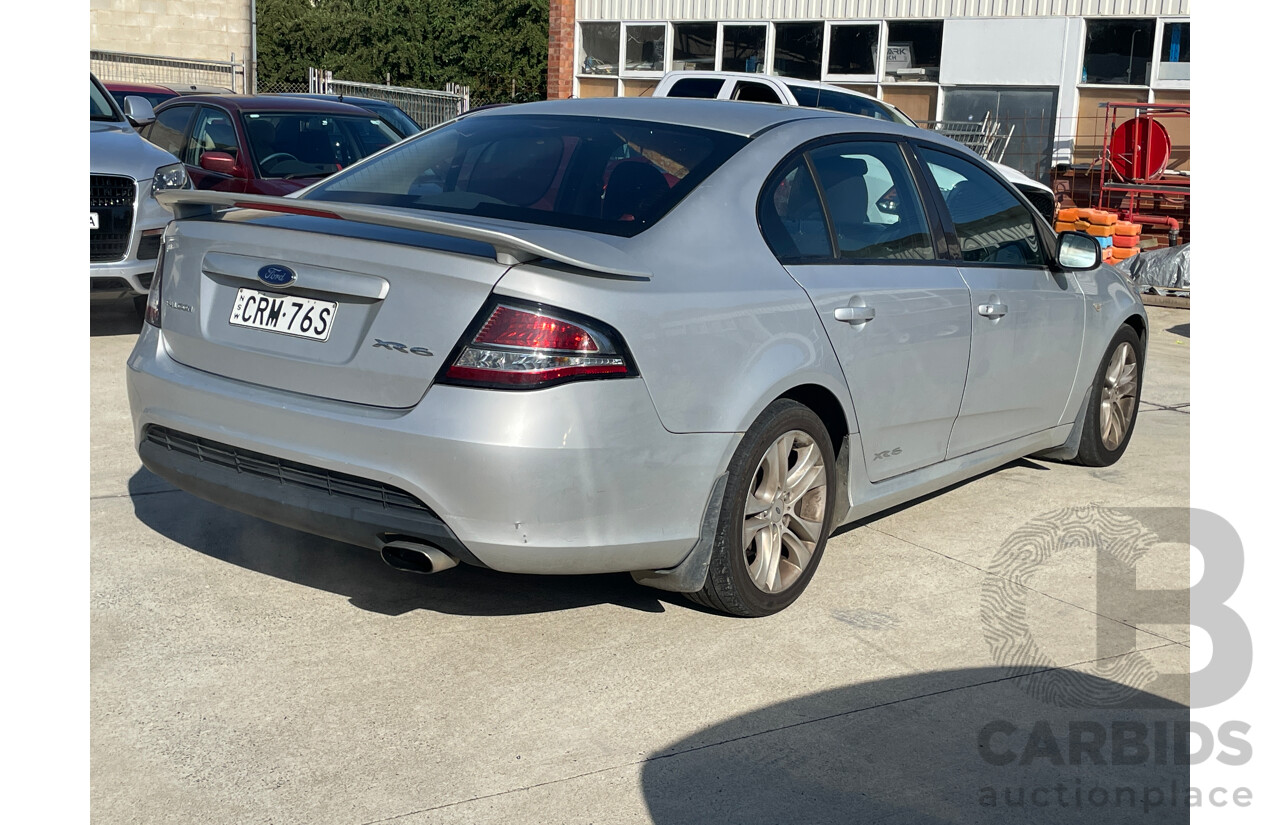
[286, 314]
[93, 220]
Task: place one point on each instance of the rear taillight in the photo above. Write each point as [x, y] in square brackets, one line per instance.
[152, 315]
[526, 346]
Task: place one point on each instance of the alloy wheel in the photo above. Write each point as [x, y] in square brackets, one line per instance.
[1119, 396]
[785, 511]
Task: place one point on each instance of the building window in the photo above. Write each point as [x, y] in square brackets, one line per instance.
[600, 48]
[797, 50]
[853, 50]
[743, 49]
[646, 48]
[1118, 51]
[694, 46]
[914, 49]
[1175, 52]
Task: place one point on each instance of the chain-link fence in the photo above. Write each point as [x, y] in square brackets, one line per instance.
[427, 107]
[174, 72]
[282, 87]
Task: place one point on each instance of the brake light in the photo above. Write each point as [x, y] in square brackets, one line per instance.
[152, 315]
[535, 347]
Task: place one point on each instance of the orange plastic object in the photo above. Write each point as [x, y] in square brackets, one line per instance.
[1100, 231]
[1127, 228]
[1126, 241]
[1121, 254]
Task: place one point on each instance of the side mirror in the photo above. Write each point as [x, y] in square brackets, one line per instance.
[139, 111]
[221, 162]
[1078, 251]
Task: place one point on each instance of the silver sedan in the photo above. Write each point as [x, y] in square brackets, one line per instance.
[684, 339]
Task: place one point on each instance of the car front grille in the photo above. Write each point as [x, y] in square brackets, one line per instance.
[112, 197]
[289, 473]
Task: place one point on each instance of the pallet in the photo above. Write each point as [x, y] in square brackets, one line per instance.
[1182, 301]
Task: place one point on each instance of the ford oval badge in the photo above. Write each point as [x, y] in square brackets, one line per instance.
[276, 275]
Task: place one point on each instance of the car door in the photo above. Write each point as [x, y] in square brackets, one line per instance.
[896, 312]
[1028, 318]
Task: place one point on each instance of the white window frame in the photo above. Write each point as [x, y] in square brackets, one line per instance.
[766, 57]
[1156, 83]
[580, 52]
[668, 42]
[881, 49]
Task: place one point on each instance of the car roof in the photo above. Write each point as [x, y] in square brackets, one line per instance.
[275, 103]
[790, 81]
[359, 101]
[730, 116]
[122, 86]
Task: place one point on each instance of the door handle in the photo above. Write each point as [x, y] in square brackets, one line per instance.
[992, 310]
[855, 315]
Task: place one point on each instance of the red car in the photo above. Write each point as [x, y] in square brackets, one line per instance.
[263, 144]
[155, 93]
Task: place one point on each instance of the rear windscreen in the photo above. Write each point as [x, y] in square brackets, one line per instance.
[598, 174]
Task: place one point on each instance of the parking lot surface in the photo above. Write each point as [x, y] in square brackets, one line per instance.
[242, 672]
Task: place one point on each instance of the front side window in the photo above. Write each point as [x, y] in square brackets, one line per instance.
[213, 132]
[599, 48]
[101, 107]
[872, 199]
[597, 174]
[992, 225]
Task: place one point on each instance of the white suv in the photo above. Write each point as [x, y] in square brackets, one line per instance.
[125, 219]
[790, 91]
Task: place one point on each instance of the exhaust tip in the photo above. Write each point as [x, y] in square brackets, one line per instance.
[416, 557]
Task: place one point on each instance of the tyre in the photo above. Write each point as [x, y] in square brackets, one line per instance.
[1113, 402]
[776, 514]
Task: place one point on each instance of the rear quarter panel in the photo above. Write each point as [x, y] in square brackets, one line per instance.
[722, 329]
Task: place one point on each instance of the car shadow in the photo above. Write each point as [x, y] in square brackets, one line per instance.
[1181, 330]
[360, 574]
[115, 318]
[957, 746]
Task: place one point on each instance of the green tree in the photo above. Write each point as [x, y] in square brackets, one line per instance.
[497, 47]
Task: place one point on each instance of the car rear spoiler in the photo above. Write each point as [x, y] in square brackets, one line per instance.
[587, 253]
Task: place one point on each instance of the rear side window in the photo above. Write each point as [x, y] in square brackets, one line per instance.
[791, 216]
[755, 92]
[704, 87]
[596, 174]
[170, 127]
[993, 227]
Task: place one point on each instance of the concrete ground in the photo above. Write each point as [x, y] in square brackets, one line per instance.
[950, 660]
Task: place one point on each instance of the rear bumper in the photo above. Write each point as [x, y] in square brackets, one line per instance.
[580, 478]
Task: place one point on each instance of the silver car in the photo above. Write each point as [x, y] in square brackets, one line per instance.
[679, 338]
[125, 219]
